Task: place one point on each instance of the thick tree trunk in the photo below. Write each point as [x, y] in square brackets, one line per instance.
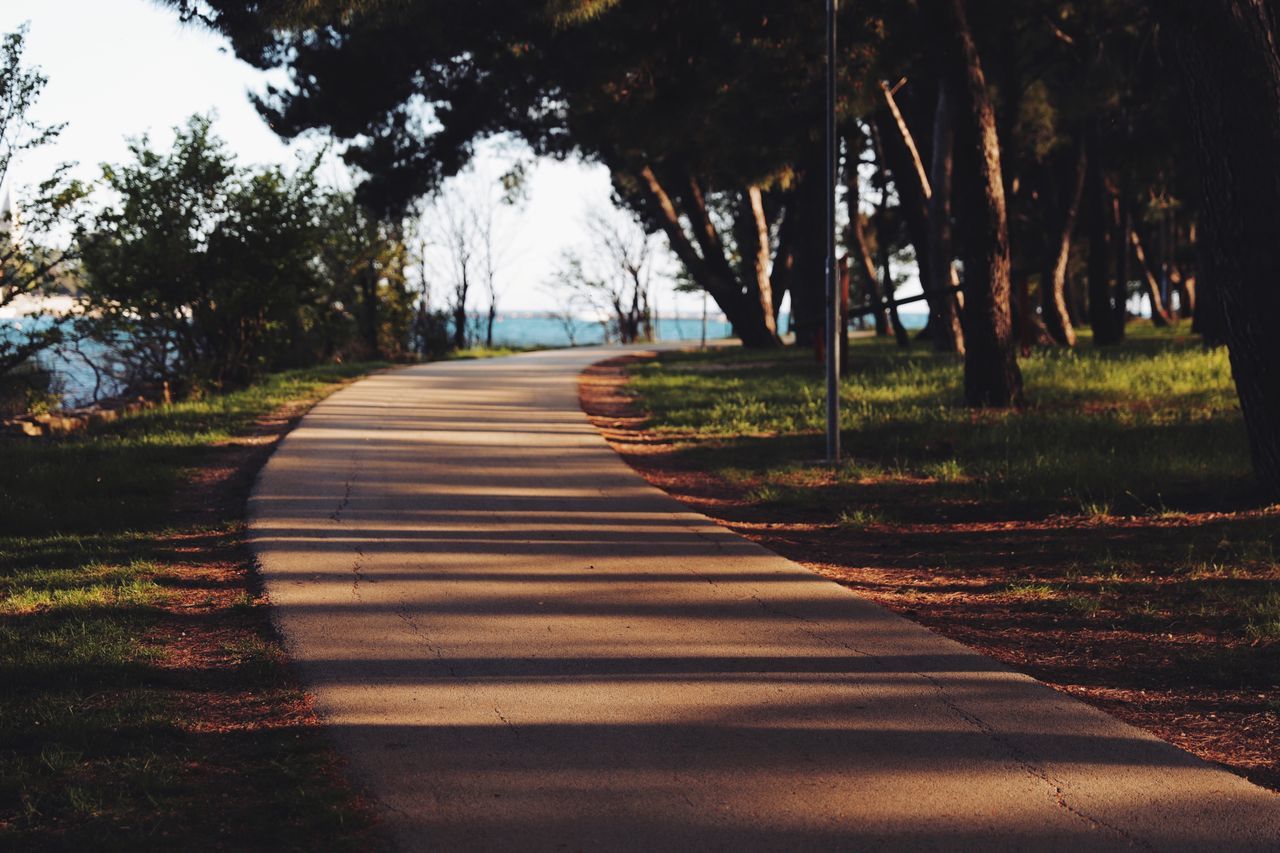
[991, 374]
[944, 310]
[1053, 282]
[1229, 51]
[1209, 321]
[714, 274]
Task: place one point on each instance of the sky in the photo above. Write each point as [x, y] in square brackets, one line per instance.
[124, 68]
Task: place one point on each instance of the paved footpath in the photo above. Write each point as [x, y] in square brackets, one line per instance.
[521, 645]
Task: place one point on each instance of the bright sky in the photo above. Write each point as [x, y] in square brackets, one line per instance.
[122, 68]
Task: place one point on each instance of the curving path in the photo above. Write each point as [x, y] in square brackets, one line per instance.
[518, 644]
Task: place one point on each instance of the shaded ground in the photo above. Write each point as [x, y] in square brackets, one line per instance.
[148, 702]
[1165, 618]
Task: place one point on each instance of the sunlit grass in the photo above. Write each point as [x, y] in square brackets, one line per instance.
[488, 352]
[122, 476]
[93, 735]
[1148, 424]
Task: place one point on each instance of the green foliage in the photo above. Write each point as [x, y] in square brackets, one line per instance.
[30, 262]
[205, 274]
[196, 272]
[362, 260]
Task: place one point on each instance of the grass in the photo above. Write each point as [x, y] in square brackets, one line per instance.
[488, 352]
[1152, 423]
[146, 701]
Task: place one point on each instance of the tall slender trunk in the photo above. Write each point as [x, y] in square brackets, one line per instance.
[858, 242]
[1159, 316]
[1182, 281]
[757, 230]
[991, 374]
[885, 241]
[896, 147]
[1123, 218]
[783, 262]
[1102, 313]
[808, 276]
[713, 273]
[460, 326]
[944, 309]
[369, 296]
[1053, 283]
[1229, 52]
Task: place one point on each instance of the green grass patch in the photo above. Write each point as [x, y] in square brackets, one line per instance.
[1149, 426]
[471, 353]
[98, 743]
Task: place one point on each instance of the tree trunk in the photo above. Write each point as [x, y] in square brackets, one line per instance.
[991, 374]
[1209, 321]
[897, 149]
[858, 242]
[1102, 313]
[1053, 283]
[783, 261]
[714, 275]
[459, 326]
[758, 248]
[883, 239]
[808, 275]
[369, 296]
[1229, 51]
[1159, 316]
[944, 310]
[1182, 284]
[1123, 218]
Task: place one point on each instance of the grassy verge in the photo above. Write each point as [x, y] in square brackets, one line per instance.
[146, 699]
[475, 352]
[1151, 424]
[1107, 539]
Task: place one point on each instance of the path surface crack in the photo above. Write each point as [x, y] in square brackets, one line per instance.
[422, 638]
[1018, 756]
[357, 573]
[515, 731]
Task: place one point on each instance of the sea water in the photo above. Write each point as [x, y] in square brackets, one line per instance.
[78, 383]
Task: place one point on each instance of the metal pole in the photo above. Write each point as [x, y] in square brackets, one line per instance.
[833, 289]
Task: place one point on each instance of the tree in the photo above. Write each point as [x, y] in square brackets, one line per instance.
[644, 89]
[1230, 67]
[612, 275]
[31, 264]
[196, 271]
[363, 264]
[991, 374]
